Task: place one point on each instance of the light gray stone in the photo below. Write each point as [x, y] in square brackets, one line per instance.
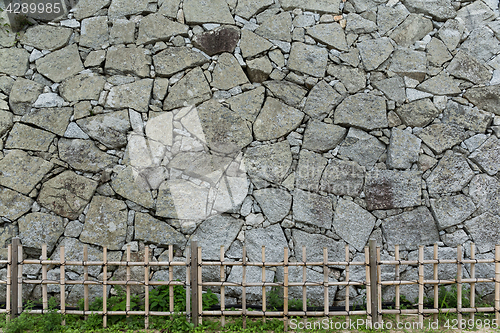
[485, 98]
[231, 193]
[312, 208]
[182, 199]
[75, 132]
[308, 59]
[132, 95]
[409, 63]
[388, 189]
[6, 122]
[156, 28]
[151, 230]
[362, 110]
[485, 192]
[321, 100]
[353, 223]
[275, 203]
[464, 66]
[411, 229]
[36, 229]
[270, 162]
[105, 223]
[176, 59]
[484, 230]
[73, 229]
[227, 73]
[343, 178]
[321, 137]
[61, 64]
[55, 120]
[13, 204]
[94, 32]
[320, 6]
[110, 129]
[286, 91]
[252, 44]
[216, 11]
[122, 61]
[7, 231]
[23, 94]
[437, 52]
[315, 243]
[418, 113]
[95, 58]
[48, 100]
[390, 17]
[374, 52]
[271, 237]
[275, 120]
[192, 89]
[413, 28]
[248, 104]
[476, 14]
[450, 175]
[357, 24]
[14, 61]
[362, 148]
[466, 116]
[441, 136]
[87, 8]
[309, 170]
[439, 10]
[122, 32]
[330, 34]
[82, 87]
[452, 210]
[277, 27]
[451, 33]
[248, 8]
[46, 37]
[258, 69]
[120, 8]
[393, 88]
[403, 149]
[169, 8]
[354, 79]
[28, 138]
[83, 155]
[441, 84]
[487, 156]
[67, 194]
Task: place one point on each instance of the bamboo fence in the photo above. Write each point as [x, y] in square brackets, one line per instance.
[194, 283]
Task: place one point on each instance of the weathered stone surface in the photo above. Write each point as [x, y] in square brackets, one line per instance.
[151, 230]
[485, 98]
[359, 25]
[309, 170]
[276, 27]
[248, 8]
[87, 8]
[14, 61]
[321, 6]
[353, 223]
[411, 229]
[441, 136]
[182, 199]
[82, 87]
[105, 223]
[216, 11]
[83, 155]
[275, 120]
[13, 204]
[330, 34]
[48, 100]
[6, 122]
[94, 32]
[219, 40]
[132, 95]
[110, 129]
[131, 60]
[451, 33]
[437, 52]
[484, 230]
[224, 130]
[214, 232]
[28, 138]
[55, 120]
[248, 104]
[258, 69]
[156, 28]
[95, 58]
[23, 94]
[61, 64]
[252, 44]
[409, 63]
[393, 88]
[362, 148]
[466, 116]
[122, 32]
[343, 178]
[231, 193]
[227, 73]
[387, 189]
[374, 52]
[450, 175]
[275, 203]
[169, 8]
[354, 79]
[271, 237]
[390, 17]
[269, 162]
[36, 229]
[46, 37]
[7, 231]
[22, 172]
[418, 113]
[452, 210]
[288, 92]
[487, 156]
[464, 66]
[67, 194]
[475, 14]
[413, 28]
[485, 192]
[308, 59]
[315, 243]
[362, 110]
[403, 149]
[312, 208]
[192, 89]
[481, 44]
[439, 10]
[321, 100]
[120, 8]
[321, 137]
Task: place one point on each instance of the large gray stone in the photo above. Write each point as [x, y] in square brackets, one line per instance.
[484, 230]
[61, 64]
[451, 33]
[309, 170]
[151, 230]
[270, 162]
[314, 244]
[55, 120]
[388, 189]
[105, 223]
[437, 52]
[121, 8]
[271, 237]
[258, 69]
[308, 59]
[227, 73]
[466, 116]
[36, 229]
[374, 52]
[286, 91]
[409, 63]
[418, 113]
[130, 60]
[357, 24]
[94, 32]
[22, 172]
[481, 44]
[275, 120]
[157, 28]
[441, 84]
[28, 138]
[413, 28]
[441, 136]
[87, 8]
[13, 204]
[321, 6]
[362, 148]
[390, 17]
[343, 178]
[182, 199]
[393, 88]
[131, 186]
[110, 129]
[322, 137]
[411, 229]
[312, 208]
[132, 95]
[214, 11]
[362, 110]
[274, 202]
[248, 8]
[83, 155]
[169, 8]
[7, 232]
[176, 59]
[464, 66]
[354, 79]
[23, 94]
[353, 223]
[277, 27]
[248, 104]
[46, 37]
[485, 192]
[403, 149]
[439, 10]
[82, 87]
[192, 89]
[14, 61]
[476, 14]
[231, 193]
[67, 194]
[452, 210]
[330, 34]
[450, 175]
[252, 44]
[487, 156]
[485, 98]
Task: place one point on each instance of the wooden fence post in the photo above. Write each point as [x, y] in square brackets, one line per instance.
[14, 310]
[373, 282]
[194, 284]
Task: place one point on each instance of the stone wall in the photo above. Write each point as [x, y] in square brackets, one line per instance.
[254, 122]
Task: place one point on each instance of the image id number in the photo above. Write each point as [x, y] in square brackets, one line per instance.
[32, 8]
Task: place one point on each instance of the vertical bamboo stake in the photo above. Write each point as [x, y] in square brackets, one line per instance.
[63, 283]
[435, 277]
[200, 280]
[222, 288]
[171, 277]
[304, 288]
[397, 278]
[85, 279]
[20, 278]
[264, 281]
[368, 283]
[194, 283]
[105, 287]
[373, 281]
[146, 287]
[497, 283]
[285, 287]
[325, 281]
[127, 271]
[45, 301]
[420, 285]
[379, 285]
[347, 301]
[9, 282]
[14, 278]
[243, 288]
[459, 286]
[473, 276]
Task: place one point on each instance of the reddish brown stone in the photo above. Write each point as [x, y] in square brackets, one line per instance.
[219, 40]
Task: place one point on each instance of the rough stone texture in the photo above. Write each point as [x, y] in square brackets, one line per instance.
[452, 210]
[127, 61]
[36, 229]
[258, 69]
[321, 6]
[216, 11]
[353, 223]
[312, 208]
[94, 32]
[13, 204]
[409, 63]
[252, 44]
[374, 52]
[308, 59]
[248, 104]
[192, 89]
[487, 156]
[464, 66]
[413, 28]
[275, 203]
[403, 149]
[440, 137]
[110, 129]
[151, 230]
[130, 185]
[288, 92]
[276, 27]
[450, 175]
[321, 137]
[485, 98]
[13, 61]
[275, 120]
[309, 170]
[55, 120]
[483, 230]
[133, 95]
[387, 189]
[120, 8]
[67, 194]
[82, 87]
[354, 79]
[269, 162]
[182, 199]
[22, 95]
[83, 155]
[343, 178]
[156, 28]
[485, 192]
[439, 10]
[466, 116]
[219, 40]
[361, 147]
[29, 138]
[228, 73]
[441, 84]
[362, 110]
[46, 37]
[330, 34]
[314, 244]
[248, 8]
[61, 64]
[321, 100]
[418, 113]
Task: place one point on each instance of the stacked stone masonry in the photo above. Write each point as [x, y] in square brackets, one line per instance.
[282, 123]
